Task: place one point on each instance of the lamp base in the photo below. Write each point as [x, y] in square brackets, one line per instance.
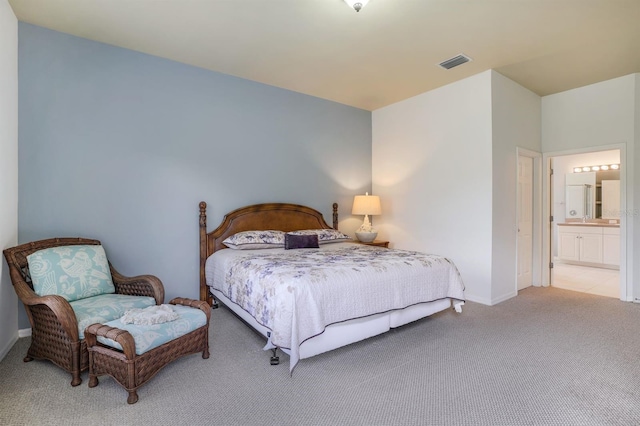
[366, 237]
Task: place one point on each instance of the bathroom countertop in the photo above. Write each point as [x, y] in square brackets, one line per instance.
[602, 224]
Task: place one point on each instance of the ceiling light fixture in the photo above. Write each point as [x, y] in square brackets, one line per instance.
[357, 4]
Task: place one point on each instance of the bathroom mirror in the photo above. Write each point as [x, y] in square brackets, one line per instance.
[584, 195]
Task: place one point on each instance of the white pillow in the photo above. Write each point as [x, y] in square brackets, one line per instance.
[251, 240]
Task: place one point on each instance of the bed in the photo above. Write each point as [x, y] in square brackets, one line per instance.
[307, 301]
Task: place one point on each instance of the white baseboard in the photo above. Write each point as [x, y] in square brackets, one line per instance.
[504, 297]
[476, 299]
[25, 332]
[489, 302]
[4, 351]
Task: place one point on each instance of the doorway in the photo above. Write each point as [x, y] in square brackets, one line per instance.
[585, 238]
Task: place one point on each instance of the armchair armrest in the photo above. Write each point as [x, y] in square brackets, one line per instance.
[58, 305]
[141, 285]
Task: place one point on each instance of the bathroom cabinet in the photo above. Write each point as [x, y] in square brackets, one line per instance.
[611, 246]
[580, 243]
[597, 245]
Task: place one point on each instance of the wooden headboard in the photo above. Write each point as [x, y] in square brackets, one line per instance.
[258, 217]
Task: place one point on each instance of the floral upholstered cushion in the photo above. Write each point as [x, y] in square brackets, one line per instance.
[148, 337]
[325, 236]
[106, 307]
[73, 272]
[248, 240]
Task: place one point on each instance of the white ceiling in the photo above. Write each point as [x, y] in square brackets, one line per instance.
[386, 53]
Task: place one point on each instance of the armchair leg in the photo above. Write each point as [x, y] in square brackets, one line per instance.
[93, 381]
[27, 359]
[133, 397]
[76, 379]
[76, 347]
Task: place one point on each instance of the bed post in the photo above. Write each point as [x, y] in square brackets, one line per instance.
[204, 293]
[335, 216]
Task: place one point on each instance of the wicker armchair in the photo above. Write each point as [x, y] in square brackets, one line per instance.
[54, 327]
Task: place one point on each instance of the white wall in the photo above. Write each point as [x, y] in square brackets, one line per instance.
[432, 168]
[591, 116]
[8, 169]
[445, 167]
[598, 116]
[516, 121]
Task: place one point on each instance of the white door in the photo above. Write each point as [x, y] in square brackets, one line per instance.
[525, 222]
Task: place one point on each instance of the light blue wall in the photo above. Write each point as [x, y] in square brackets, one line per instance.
[121, 146]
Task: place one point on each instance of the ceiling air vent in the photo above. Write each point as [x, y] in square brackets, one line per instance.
[455, 61]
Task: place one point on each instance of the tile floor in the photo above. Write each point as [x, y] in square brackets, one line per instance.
[600, 281]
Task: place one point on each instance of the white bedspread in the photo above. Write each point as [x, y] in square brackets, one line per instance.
[297, 293]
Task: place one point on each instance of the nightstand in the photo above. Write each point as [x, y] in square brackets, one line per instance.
[377, 243]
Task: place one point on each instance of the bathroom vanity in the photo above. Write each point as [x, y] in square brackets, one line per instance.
[592, 243]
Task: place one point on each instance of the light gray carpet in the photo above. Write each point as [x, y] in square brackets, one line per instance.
[546, 357]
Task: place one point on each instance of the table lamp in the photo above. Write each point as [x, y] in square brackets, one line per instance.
[366, 205]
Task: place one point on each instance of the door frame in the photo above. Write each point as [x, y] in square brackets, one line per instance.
[626, 226]
[536, 236]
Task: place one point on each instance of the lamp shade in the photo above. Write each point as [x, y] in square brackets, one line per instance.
[366, 205]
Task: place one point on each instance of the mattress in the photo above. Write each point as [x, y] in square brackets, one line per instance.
[296, 294]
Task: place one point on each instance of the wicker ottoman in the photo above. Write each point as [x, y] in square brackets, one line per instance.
[112, 351]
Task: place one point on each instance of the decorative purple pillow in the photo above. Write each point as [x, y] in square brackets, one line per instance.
[300, 241]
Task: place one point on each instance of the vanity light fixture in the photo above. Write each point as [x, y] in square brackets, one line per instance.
[596, 168]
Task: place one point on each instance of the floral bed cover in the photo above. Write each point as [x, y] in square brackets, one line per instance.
[297, 293]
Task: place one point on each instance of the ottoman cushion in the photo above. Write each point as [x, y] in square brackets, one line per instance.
[148, 337]
[105, 308]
